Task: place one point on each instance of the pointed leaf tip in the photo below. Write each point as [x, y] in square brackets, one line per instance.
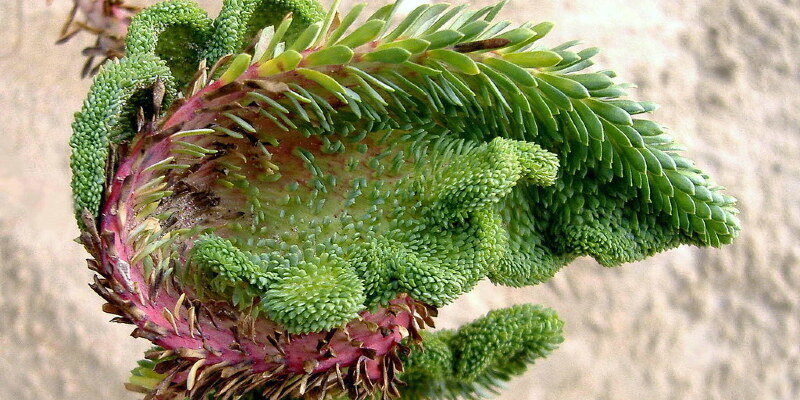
[236, 68]
[276, 38]
[307, 37]
[323, 80]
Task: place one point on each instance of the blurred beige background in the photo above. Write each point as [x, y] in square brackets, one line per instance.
[687, 324]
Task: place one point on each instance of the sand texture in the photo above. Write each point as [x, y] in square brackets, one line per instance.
[686, 324]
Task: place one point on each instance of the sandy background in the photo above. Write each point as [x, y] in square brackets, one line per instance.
[687, 324]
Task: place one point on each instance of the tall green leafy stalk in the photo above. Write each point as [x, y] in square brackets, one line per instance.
[284, 220]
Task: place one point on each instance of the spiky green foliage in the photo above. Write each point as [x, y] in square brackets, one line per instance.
[109, 115]
[223, 268]
[475, 360]
[334, 166]
[428, 228]
[164, 29]
[240, 21]
[302, 295]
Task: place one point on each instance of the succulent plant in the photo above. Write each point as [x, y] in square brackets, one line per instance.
[281, 198]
